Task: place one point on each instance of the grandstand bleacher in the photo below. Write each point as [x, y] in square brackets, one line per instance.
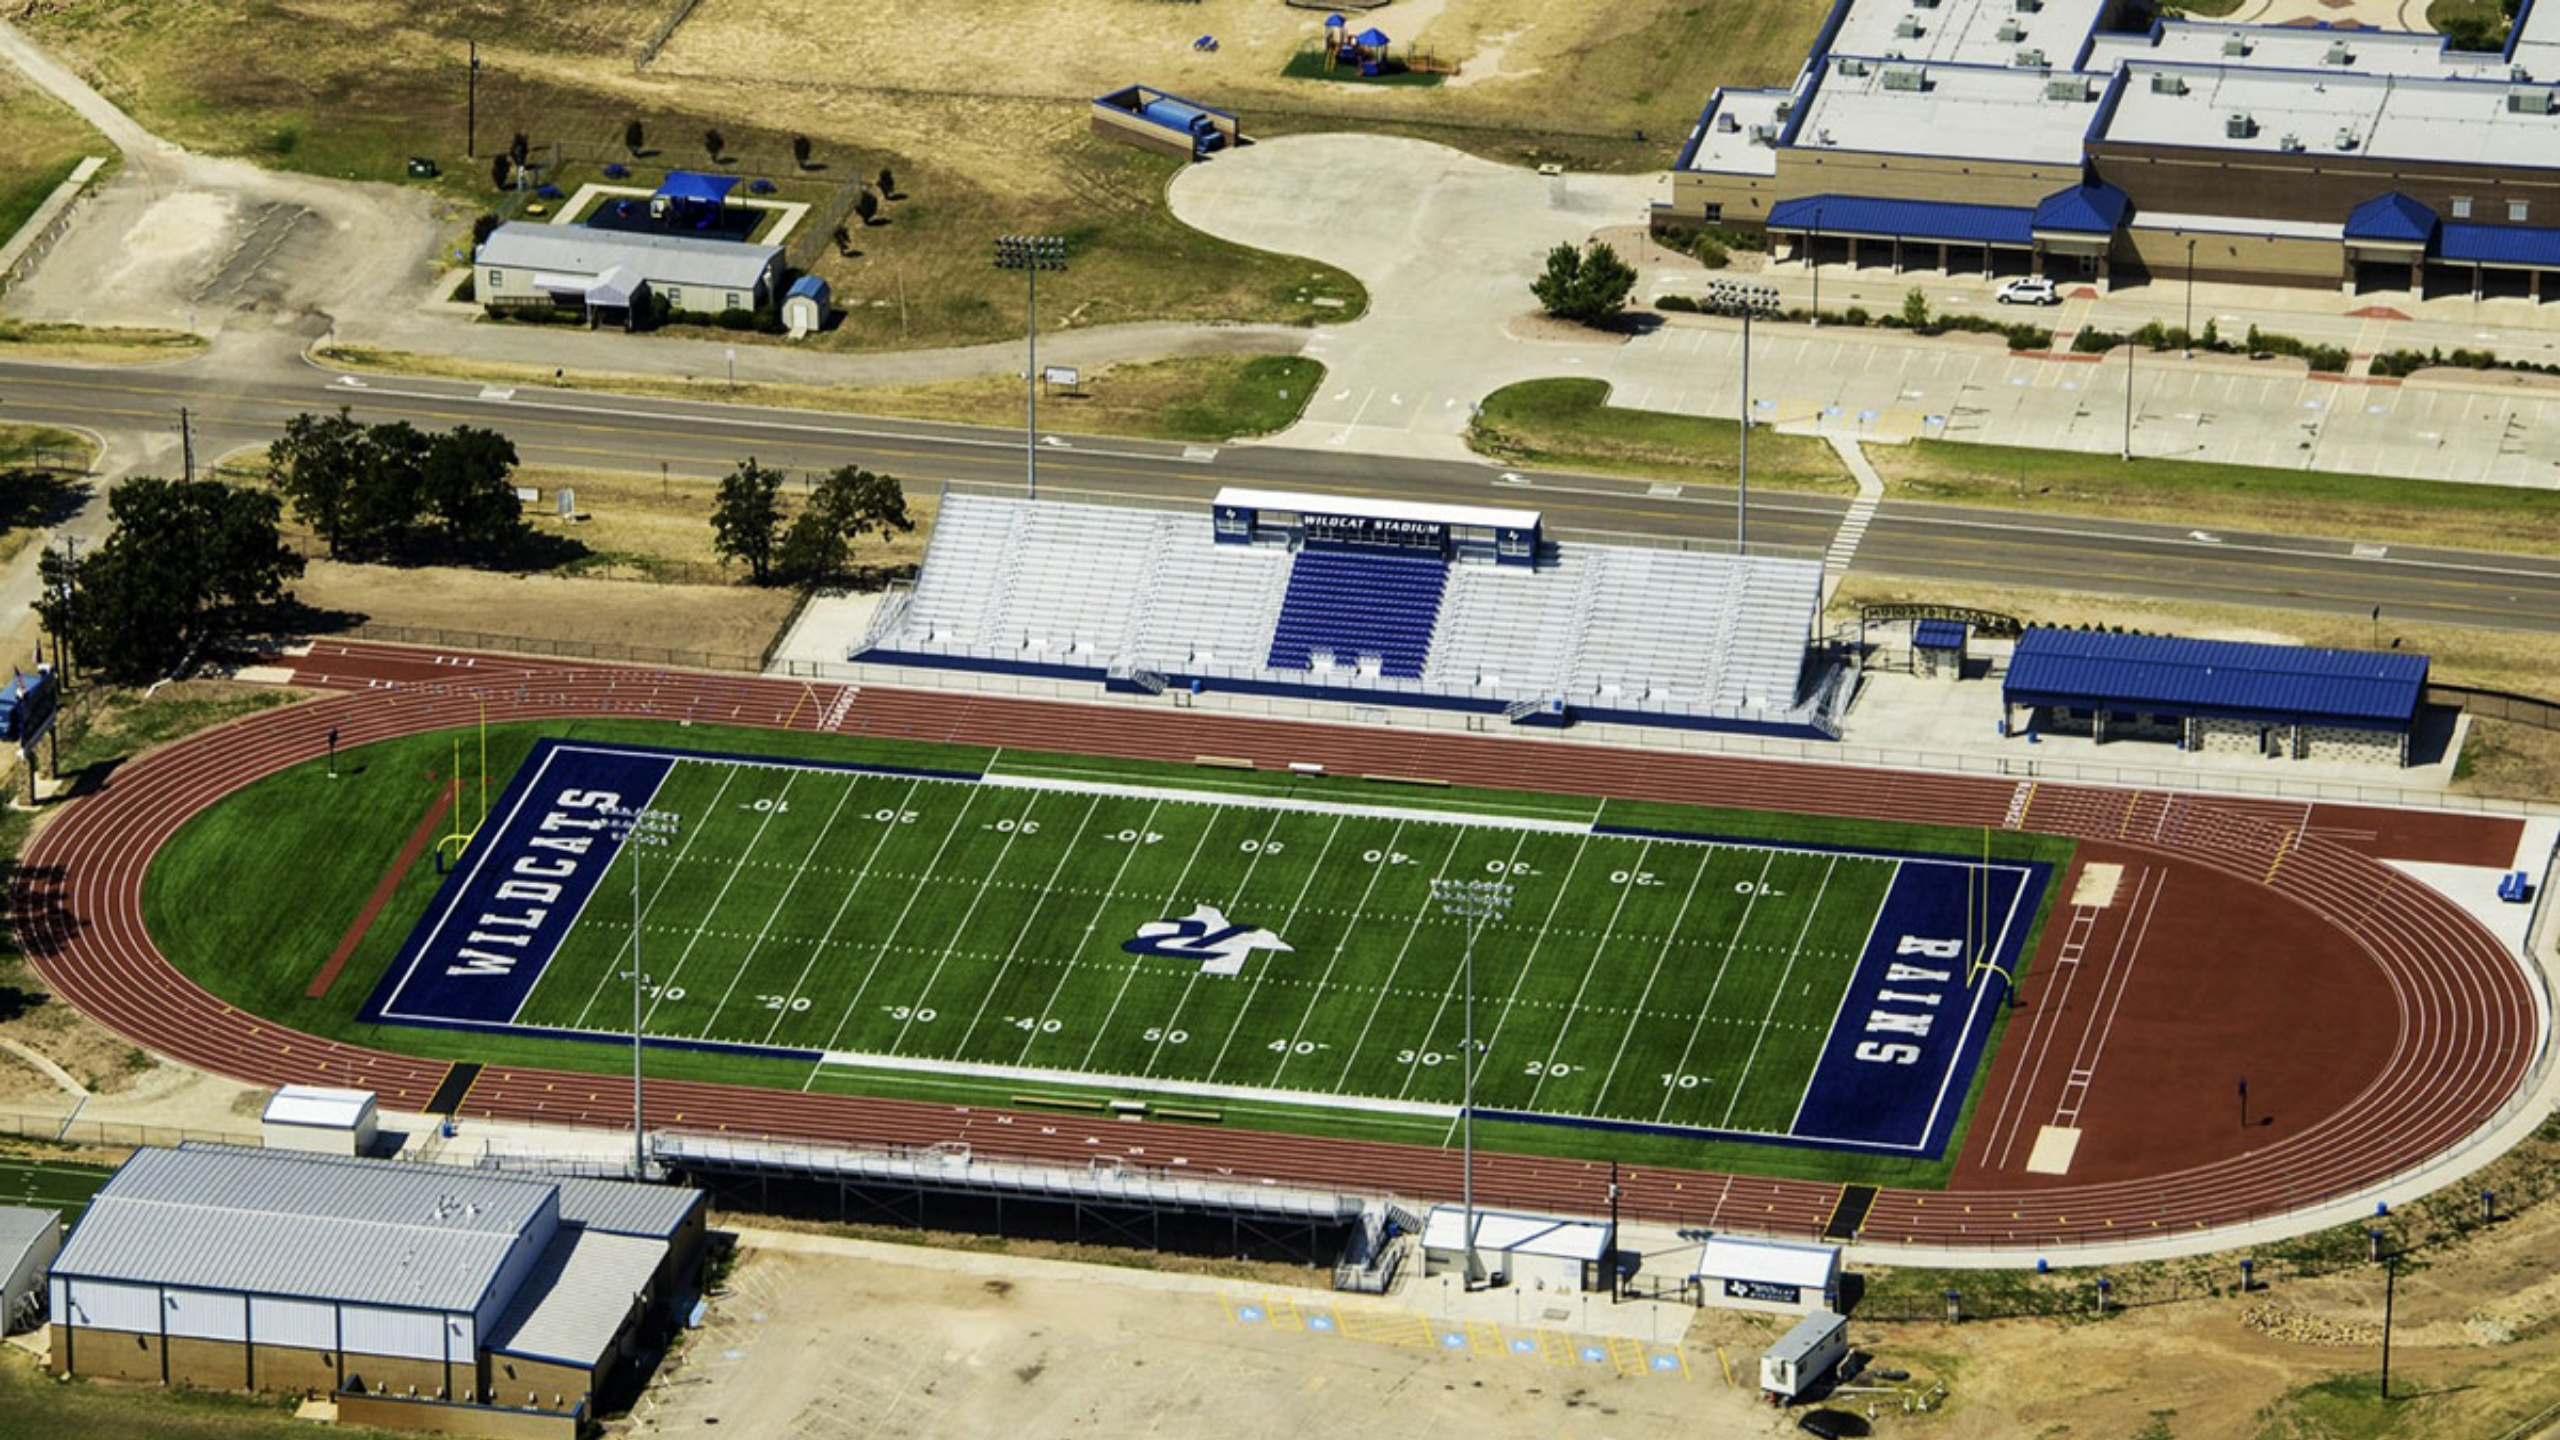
[1449, 607]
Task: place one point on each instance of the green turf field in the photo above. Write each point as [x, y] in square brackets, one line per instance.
[50, 1185]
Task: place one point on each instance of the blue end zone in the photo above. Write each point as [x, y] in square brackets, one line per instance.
[501, 915]
[1910, 1030]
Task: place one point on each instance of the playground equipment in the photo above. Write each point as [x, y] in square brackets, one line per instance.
[1369, 53]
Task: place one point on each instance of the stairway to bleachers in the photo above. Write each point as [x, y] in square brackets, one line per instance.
[1350, 604]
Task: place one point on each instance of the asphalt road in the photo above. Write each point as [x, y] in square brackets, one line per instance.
[701, 440]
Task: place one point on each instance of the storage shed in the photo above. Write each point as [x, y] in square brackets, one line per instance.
[804, 307]
[2285, 701]
[1804, 1356]
[320, 1119]
[29, 1239]
[1773, 1275]
[1152, 119]
[1539, 1252]
[1937, 649]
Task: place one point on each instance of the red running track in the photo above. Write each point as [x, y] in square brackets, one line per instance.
[2467, 1024]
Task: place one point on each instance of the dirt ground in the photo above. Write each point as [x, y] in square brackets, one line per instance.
[727, 620]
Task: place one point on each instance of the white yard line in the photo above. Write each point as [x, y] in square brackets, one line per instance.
[1597, 951]
[1848, 982]
[1235, 901]
[1129, 972]
[1768, 1016]
[1715, 987]
[1048, 887]
[977, 897]
[1255, 992]
[666, 877]
[1092, 923]
[890, 935]
[798, 873]
[1653, 976]
[1437, 1011]
[1395, 967]
[887, 828]
[1359, 908]
[1528, 967]
[737, 867]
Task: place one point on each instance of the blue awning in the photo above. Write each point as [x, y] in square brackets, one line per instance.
[2468, 243]
[2150, 674]
[1373, 37]
[2393, 218]
[2082, 209]
[1906, 219]
[707, 189]
[1938, 635]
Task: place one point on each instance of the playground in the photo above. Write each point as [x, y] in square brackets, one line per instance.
[710, 207]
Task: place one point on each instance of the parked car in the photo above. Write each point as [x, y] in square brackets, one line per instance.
[2026, 291]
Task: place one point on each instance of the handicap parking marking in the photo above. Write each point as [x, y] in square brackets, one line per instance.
[1320, 1322]
[1595, 1355]
[1453, 1340]
[1670, 1364]
[1521, 1345]
[1250, 1314]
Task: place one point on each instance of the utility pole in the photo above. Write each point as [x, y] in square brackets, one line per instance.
[471, 107]
[186, 444]
[1475, 902]
[1031, 254]
[2390, 1284]
[1813, 257]
[2191, 297]
[2129, 348]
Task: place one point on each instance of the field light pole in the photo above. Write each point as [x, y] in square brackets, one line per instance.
[2129, 348]
[2191, 298]
[1475, 902]
[1031, 254]
[638, 827]
[1744, 298]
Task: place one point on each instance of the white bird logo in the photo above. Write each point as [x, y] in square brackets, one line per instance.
[1206, 936]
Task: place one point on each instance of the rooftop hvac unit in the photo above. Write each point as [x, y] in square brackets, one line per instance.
[2235, 45]
[2029, 60]
[1905, 77]
[1907, 28]
[2346, 139]
[2530, 101]
[1924, 4]
[2067, 87]
[2011, 32]
[2239, 126]
[2292, 143]
[1727, 122]
[2027, 7]
[2339, 54]
[2164, 84]
[1852, 65]
[1764, 134]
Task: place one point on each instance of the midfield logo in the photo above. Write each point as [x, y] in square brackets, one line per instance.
[1203, 935]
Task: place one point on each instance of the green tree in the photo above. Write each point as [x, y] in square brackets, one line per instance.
[315, 465]
[467, 482]
[716, 143]
[1915, 308]
[848, 504]
[800, 148]
[866, 205]
[1590, 285]
[633, 137]
[382, 506]
[187, 558]
[746, 518]
[888, 182]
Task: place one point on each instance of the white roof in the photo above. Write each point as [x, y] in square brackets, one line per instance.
[1727, 144]
[1771, 1262]
[578, 254]
[1509, 1232]
[1961, 111]
[574, 1301]
[319, 1106]
[2238, 225]
[1967, 31]
[2293, 47]
[1485, 516]
[2338, 113]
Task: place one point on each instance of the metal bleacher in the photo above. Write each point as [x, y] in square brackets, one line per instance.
[1351, 605]
[1068, 593]
[1667, 628]
[1505, 630]
[1207, 607]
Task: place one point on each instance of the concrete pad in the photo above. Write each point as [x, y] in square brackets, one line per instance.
[264, 674]
[2097, 887]
[2055, 1145]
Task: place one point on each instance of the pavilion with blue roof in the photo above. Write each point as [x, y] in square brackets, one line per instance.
[2079, 220]
[2286, 701]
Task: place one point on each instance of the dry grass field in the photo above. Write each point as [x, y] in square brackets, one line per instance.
[980, 111]
[39, 145]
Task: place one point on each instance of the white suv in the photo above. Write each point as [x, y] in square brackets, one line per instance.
[2025, 291]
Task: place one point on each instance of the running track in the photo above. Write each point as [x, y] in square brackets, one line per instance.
[2467, 1025]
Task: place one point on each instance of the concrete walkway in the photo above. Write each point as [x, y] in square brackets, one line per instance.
[1861, 513]
[46, 213]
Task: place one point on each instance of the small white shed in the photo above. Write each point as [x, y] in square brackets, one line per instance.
[1803, 1356]
[1774, 1275]
[321, 1119]
[1542, 1252]
[29, 1239]
[804, 307]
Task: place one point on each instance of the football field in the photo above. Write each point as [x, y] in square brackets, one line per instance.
[1204, 944]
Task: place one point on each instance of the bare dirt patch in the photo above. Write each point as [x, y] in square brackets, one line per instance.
[608, 615]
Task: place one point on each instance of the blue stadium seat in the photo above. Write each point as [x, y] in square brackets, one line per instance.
[1359, 602]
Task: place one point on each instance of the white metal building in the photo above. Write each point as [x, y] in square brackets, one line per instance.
[574, 267]
[1773, 1275]
[1804, 1356]
[28, 1240]
[321, 1119]
[1535, 1252]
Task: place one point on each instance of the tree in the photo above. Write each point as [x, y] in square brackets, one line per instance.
[866, 205]
[467, 482]
[746, 519]
[848, 503]
[186, 558]
[1915, 308]
[316, 464]
[633, 137]
[888, 182]
[844, 241]
[501, 170]
[482, 228]
[382, 506]
[716, 143]
[519, 148]
[1585, 285]
[800, 148]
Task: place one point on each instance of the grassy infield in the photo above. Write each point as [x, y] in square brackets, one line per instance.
[209, 903]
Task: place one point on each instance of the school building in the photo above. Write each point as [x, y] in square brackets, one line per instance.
[2092, 141]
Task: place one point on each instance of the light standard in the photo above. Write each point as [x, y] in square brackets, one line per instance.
[1744, 298]
[2191, 298]
[1813, 257]
[1031, 254]
[2129, 347]
[1475, 902]
[635, 828]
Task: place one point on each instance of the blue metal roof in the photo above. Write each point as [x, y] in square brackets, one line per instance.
[2392, 216]
[1938, 635]
[2164, 675]
[688, 185]
[1908, 219]
[2084, 209]
[2466, 242]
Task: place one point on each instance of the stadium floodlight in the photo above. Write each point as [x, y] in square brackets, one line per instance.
[1475, 902]
[638, 827]
[1747, 299]
[1031, 254]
